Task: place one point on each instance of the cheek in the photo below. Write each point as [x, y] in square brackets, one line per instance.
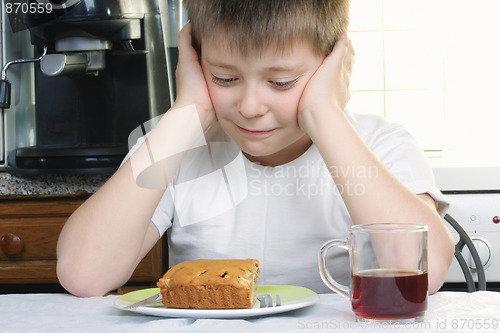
[218, 97]
[220, 100]
[287, 108]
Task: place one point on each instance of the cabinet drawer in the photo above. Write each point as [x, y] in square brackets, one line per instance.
[29, 230]
[38, 237]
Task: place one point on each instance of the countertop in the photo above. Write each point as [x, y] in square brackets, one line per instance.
[47, 185]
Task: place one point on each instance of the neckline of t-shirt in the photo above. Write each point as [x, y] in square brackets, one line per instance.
[308, 155]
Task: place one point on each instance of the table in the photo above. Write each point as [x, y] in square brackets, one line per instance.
[447, 312]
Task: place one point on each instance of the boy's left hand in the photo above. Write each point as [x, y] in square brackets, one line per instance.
[328, 89]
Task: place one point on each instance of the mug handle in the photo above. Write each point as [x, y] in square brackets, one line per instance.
[323, 270]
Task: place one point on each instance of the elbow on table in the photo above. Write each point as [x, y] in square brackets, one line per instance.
[79, 282]
[435, 285]
[441, 266]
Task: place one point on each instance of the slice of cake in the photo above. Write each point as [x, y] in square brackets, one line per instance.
[210, 284]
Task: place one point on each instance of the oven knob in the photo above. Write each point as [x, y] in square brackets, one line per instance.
[483, 248]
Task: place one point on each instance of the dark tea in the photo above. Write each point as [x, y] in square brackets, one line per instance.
[389, 294]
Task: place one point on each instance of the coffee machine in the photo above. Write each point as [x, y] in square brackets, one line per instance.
[100, 69]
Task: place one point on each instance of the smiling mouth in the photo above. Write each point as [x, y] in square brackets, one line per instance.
[254, 133]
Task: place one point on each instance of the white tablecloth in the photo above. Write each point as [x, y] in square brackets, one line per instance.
[447, 312]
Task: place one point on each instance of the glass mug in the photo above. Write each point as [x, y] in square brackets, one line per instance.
[388, 271]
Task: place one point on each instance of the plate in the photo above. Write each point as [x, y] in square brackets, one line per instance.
[292, 298]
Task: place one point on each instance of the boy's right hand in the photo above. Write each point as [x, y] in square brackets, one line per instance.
[191, 84]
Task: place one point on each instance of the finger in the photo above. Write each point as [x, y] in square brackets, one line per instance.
[347, 47]
[350, 56]
[185, 36]
[351, 48]
[344, 53]
[185, 46]
[340, 52]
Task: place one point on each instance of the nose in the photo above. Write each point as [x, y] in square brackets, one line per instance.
[252, 102]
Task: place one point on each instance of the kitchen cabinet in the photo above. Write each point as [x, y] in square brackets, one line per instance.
[29, 229]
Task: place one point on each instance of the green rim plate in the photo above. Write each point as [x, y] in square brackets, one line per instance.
[292, 298]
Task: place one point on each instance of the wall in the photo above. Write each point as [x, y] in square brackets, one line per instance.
[433, 66]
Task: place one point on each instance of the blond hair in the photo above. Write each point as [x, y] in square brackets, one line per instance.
[253, 25]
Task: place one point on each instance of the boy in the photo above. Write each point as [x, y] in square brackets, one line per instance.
[281, 167]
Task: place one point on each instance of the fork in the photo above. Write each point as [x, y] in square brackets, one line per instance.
[266, 300]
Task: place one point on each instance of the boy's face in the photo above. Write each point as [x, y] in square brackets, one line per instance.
[256, 98]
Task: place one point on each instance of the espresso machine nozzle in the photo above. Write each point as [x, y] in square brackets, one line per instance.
[5, 84]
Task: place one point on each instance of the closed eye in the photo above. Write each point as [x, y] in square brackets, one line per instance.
[284, 85]
[223, 81]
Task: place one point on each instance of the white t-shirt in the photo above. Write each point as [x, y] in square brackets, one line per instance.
[221, 205]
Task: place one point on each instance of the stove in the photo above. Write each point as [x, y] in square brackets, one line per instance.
[479, 215]
[474, 196]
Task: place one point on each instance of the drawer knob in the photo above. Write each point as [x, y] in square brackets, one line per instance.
[11, 244]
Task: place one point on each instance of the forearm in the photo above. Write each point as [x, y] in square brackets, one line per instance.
[102, 242]
[370, 191]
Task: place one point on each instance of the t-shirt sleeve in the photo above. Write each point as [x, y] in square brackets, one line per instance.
[164, 212]
[401, 154]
